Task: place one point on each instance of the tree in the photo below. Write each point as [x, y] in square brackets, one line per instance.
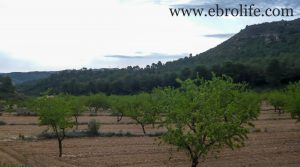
[97, 102]
[77, 106]
[293, 100]
[7, 89]
[185, 73]
[138, 108]
[118, 104]
[202, 72]
[56, 113]
[278, 100]
[204, 116]
[274, 72]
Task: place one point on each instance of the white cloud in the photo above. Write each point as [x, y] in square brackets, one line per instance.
[57, 34]
[71, 33]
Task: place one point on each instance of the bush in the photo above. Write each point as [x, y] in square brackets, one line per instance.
[93, 127]
[2, 122]
[24, 112]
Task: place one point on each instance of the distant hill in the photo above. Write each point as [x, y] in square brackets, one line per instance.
[263, 55]
[254, 45]
[21, 77]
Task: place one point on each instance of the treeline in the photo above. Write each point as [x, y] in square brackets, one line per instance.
[132, 80]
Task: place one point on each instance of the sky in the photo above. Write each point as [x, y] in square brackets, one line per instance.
[51, 35]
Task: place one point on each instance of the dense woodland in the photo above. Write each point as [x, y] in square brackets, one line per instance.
[7, 89]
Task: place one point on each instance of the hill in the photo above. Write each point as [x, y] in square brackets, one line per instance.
[255, 45]
[21, 77]
[263, 55]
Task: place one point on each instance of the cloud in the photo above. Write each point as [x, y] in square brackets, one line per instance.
[70, 34]
[115, 33]
[121, 61]
[157, 56]
[230, 3]
[228, 35]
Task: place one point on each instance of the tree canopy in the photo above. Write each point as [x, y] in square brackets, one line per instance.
[204, 116]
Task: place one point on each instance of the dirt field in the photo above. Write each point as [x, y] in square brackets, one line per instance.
[275, 141]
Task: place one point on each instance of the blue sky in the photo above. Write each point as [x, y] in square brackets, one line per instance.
[38, 35]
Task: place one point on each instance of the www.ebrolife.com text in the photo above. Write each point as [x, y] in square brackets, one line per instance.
[242, 10]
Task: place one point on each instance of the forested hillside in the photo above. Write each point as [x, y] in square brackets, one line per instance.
[21, 77]
[261, 55]
[7, 90]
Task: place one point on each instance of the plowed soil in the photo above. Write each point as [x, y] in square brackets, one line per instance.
[274, 142]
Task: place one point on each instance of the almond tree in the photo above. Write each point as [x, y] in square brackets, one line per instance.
[97, 102]
[77, 105]
[205, 116]
[293, 100]
[278, 100]
[56, 113]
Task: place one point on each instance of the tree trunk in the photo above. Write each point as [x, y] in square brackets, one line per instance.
[194, 162]
[143, 127]
[76, 121]
[119, 117]
[60, 147]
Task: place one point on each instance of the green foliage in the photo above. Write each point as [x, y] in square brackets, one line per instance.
[204, 116]
[22, 77]
[277, 99]
[97, 102]
[7, 90]
[293, 100]
[56, 112]
[77, 106]
[139, 109]
[143, 108]
[118, 106]
[93, 127]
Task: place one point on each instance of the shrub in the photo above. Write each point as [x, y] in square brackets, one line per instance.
[2, 122]
[24, 112]
[93, 127]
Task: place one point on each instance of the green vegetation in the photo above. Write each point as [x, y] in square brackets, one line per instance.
[77, 105]
[93, 127]
[22, 77]
[293, 100]
[205, 116]
[7, 90]
[97, 102]
[278, 100]
[55, 112]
